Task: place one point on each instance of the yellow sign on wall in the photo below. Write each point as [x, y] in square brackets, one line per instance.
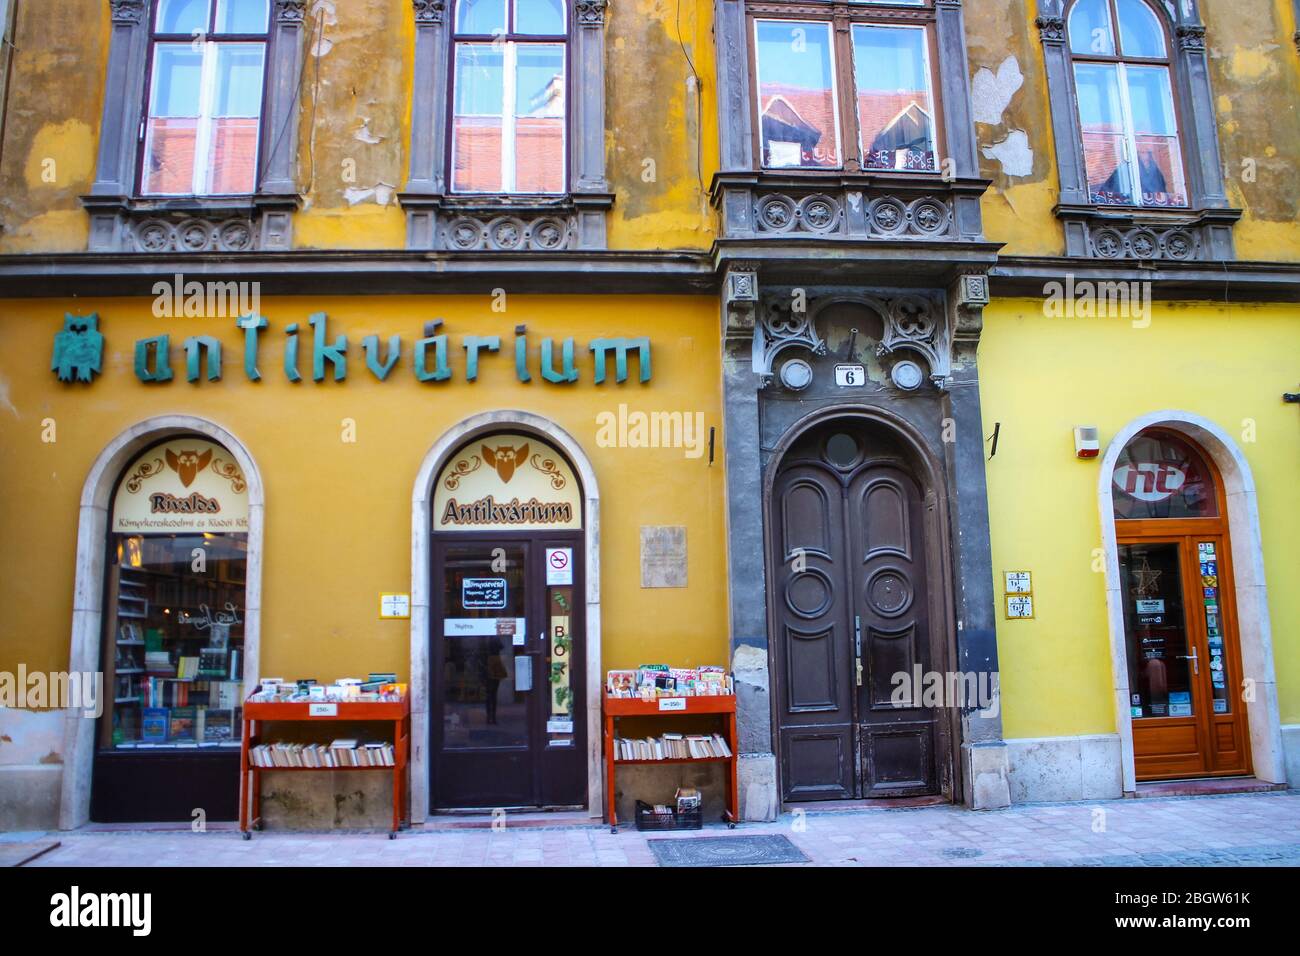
[183, 485]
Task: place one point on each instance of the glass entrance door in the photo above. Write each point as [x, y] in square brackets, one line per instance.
[485, 727]
[1181, 662]
[507, 722]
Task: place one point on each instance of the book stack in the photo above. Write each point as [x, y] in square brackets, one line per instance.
[340, 753]
[672, 747]
[159, 664]
[650, 681]
[379, 687]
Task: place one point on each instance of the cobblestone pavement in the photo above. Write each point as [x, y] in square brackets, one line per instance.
[1261, 829]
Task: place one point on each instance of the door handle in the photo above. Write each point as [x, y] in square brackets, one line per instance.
[523, 672]
[1194, 658]
[857, 648]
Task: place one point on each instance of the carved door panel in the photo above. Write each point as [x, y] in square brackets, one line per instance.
[850, 610]
[889, 602]
[812, 642]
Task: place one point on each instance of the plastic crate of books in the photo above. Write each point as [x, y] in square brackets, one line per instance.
[666, 818]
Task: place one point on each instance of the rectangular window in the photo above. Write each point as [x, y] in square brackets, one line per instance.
[174, 647]
[1105, 141]
[205, 98]
[894, 104]
[822, 92]
[797, 100]
[508, 125]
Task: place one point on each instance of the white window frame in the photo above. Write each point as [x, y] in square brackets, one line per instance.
[201, 180]
[510, 100]
[835, 91]
[929, 89]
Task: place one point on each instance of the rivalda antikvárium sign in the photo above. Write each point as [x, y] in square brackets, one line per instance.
[79, 352]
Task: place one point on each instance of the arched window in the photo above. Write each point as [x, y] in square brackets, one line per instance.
[1127, 116]
[173, 641]
[1160, 475]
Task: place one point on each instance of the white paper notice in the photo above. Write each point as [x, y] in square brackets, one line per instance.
[479, 626]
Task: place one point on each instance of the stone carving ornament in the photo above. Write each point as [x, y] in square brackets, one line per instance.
[429, 11]
[1144, 242]
[509, 233]
[887, 217]
[915, 326]
[127, 11]
[590, 12]
[192, 235]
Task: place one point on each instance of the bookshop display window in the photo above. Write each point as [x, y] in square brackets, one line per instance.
[174, 636]
[1159, 475]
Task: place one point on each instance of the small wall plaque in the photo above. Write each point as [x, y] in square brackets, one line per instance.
[394, 606]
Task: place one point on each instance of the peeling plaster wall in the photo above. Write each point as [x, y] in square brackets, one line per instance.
[661, 133]
[51, 129]
[1255, 75]
[355, 120]
[354, 128]
[658, 113]
[1013, 127]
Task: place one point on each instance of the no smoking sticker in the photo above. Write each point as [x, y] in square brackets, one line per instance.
[559, 566]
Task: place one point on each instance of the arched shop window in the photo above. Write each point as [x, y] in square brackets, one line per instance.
[173, 643]
[1162, 476]
[1132, 151]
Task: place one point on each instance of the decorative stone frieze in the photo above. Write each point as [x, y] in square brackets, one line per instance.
[772, 207]
[916, 325]
[507, 233]
[1099, 234]
[119, 226]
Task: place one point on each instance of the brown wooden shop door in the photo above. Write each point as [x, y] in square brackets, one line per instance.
[1184, 658]
[851, 609]
[508, 682]
[1180, 617]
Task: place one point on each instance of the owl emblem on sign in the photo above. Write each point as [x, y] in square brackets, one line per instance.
[78, 348]
[187, 464]
[504, 459]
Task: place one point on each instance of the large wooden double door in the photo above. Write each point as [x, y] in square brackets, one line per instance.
[852, 614]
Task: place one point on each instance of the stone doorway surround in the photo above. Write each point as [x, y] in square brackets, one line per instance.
[88, 597]
[421, 499]
[1254, 626]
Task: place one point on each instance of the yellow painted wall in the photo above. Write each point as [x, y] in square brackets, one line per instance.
[355, 124]
[1255, 79]
[338, 515]
[1040, 377]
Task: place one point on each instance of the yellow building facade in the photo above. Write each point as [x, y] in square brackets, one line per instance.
[752, 325]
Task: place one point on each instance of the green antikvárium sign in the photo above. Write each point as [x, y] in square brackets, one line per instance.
[79, 349]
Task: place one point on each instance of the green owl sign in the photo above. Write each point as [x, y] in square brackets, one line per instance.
[78, 348]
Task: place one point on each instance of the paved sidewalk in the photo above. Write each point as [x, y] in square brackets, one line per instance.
[1260, 829]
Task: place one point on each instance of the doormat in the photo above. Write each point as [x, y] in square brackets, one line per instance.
[726, 851]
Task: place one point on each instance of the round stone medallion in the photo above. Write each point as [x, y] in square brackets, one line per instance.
[808, 593]
[888, 593]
